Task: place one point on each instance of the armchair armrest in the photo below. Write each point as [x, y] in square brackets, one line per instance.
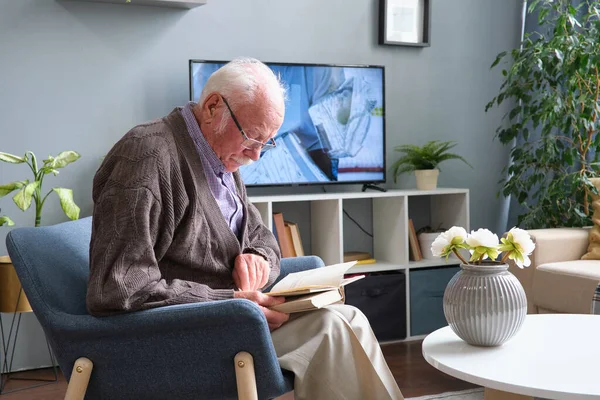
[551, 245]
[187, 343]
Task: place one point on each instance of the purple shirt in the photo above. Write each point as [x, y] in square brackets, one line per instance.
[221, 182]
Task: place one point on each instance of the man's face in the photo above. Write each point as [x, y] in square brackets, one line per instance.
[260, 121]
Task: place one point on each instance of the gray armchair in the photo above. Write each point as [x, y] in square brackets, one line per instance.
[191, 351]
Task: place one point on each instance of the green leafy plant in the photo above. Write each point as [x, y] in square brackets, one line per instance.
[553, 86]
[31, 191]
[428, 156]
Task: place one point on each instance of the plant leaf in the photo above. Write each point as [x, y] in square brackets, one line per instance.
[10, 158]
[61, 160]
[23, 197]
[5, 220]
[9, 187]
[67, 203]
[498, 58]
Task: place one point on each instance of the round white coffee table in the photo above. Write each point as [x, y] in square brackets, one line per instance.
[553, 356]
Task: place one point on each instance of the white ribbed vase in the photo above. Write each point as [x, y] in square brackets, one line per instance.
[485, 305]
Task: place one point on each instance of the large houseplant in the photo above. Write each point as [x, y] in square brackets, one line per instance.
[425, 161]
[553, 85]
[29, 191]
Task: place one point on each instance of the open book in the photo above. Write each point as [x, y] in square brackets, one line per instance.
[313, 289]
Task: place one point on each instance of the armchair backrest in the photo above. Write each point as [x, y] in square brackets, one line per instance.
[38, 253]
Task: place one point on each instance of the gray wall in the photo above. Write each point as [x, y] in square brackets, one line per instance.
[76, 75]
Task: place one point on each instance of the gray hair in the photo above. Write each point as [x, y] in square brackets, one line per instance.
[241, 80]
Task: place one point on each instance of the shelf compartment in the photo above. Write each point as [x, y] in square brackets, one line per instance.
[326, 230]
[390, 235]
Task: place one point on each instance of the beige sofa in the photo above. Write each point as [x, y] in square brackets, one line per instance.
[558, 281]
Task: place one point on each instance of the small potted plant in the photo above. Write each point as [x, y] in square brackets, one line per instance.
[28, 192]
[425, 161]
[484, 304]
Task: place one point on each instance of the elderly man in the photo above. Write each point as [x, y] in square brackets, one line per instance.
[172, 224]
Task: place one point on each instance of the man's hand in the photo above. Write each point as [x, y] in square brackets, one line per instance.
[250, 272]
[274, 318]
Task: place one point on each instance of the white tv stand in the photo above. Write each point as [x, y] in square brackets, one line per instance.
[391, 211]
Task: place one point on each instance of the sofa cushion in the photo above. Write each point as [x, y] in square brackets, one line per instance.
[566, 286]
[593, 251]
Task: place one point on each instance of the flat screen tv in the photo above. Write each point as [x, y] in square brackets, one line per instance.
[333, 130]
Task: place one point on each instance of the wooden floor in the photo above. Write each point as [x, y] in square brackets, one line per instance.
[414, 375]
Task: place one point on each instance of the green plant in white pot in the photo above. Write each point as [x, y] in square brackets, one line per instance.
[28, 192]
[424, 161]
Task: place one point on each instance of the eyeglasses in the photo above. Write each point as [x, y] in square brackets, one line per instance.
[248, 143]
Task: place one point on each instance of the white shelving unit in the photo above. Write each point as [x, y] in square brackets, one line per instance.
[390, 215]
[186, 4]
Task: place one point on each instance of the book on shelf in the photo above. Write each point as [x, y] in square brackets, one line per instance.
[356, 256]
[313, 289]
[366, 261]
[415, 249]
[294, 235]
[285, 244]
[290, 240]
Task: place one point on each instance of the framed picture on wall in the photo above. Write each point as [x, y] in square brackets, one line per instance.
[404, 22]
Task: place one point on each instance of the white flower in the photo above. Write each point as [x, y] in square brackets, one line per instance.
[482, 237]
[519, 245]
[455, 235]
[438, 246]
[522, 238]
[483, 242]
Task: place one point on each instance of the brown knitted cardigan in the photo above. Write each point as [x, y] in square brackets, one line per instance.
[158, 234]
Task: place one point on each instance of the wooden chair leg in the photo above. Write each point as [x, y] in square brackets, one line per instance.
[79, 379]
[244, 376]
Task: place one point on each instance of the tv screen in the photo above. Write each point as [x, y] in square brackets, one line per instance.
[333, 130]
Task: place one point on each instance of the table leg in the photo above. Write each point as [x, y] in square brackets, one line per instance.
[493, 394]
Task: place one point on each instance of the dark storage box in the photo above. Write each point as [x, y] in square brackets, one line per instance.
[427, 286]
[382, 298]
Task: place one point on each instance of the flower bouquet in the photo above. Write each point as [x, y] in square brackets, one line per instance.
[483, 244]
[484, 304]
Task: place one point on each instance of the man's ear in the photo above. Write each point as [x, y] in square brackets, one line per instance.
[209, 107]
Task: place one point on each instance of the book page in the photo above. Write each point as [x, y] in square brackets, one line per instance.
[327, 277]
